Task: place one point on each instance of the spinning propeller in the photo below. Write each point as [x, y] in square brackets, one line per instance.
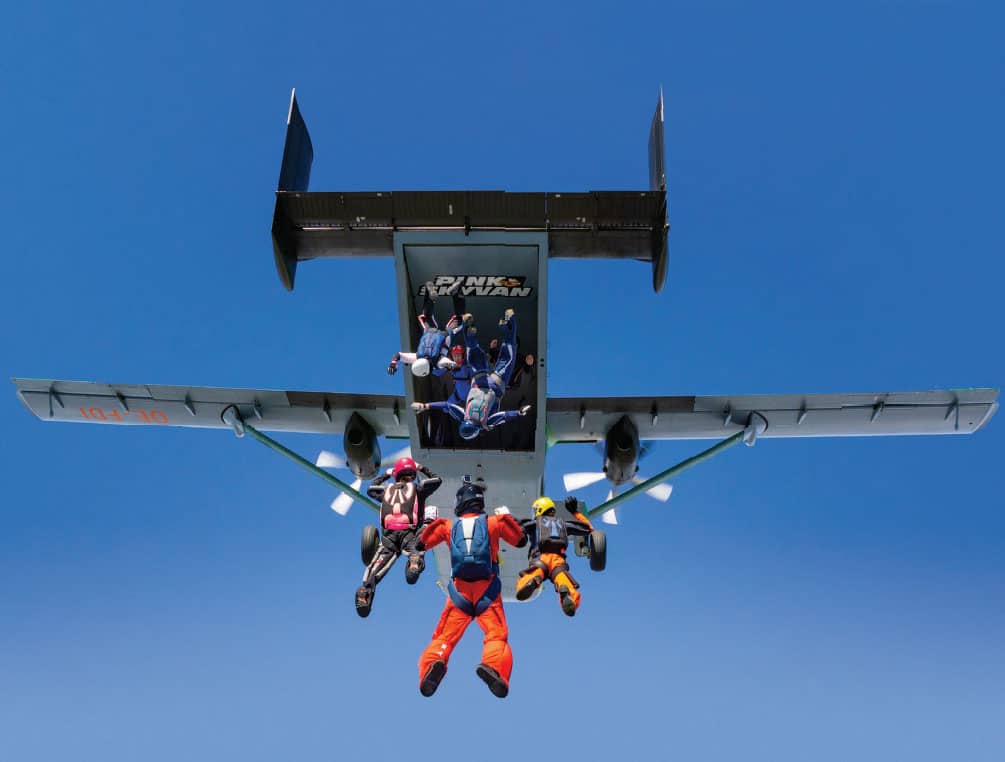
[328, 459]
[578, 480]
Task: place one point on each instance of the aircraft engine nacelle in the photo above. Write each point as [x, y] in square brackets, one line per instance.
[362, 452]
[621, 451]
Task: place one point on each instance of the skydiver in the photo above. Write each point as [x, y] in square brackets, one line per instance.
[402, 516]
[474, 589]
[433, 353]
[549, 538]
[481, 407]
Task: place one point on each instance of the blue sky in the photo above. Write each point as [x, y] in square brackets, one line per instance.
[836, 211]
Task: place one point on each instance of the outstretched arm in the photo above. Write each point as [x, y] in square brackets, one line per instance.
[406, 357]
[376, 488]
[498, 419]
[436, 531]
[455, 411]
[510, 530]
[430, 483]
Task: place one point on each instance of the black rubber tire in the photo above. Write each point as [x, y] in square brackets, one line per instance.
[368, 545]
[598, 550]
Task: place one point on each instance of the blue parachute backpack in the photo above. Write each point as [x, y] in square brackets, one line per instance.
[471, 554]
[430, 345]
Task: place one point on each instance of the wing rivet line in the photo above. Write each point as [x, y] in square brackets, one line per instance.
[876, 410]
[189, 406]
[122, 401]
[326, 411]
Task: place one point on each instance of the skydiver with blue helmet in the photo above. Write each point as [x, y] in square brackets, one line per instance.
[434, 351]
[487, 386]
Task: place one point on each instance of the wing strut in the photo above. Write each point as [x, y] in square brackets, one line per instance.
[232, 417]
[748, 435]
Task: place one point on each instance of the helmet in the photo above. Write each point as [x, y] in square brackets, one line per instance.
[469, 430]
[405, 467]
[420, 367]
[542, 505]
[470, 499]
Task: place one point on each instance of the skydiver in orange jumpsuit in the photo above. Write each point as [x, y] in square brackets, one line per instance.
[474, 590]
[549, 538]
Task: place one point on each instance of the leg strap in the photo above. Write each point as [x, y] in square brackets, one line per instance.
[477, 608]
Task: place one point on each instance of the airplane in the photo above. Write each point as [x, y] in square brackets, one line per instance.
[497, 246]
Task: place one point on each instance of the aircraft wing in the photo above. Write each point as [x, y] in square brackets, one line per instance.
[202, 406]
[958, 411]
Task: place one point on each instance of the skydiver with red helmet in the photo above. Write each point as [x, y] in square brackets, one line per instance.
[474, 592]
[549, 538]
[487, 387]
[433, 353]
[402, 516]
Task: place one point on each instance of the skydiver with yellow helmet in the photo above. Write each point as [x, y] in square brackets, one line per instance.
[549, 538]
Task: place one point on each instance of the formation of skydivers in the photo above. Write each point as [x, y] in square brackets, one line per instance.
[409, 528]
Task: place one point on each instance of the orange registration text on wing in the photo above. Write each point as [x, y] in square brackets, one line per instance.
[123, 416]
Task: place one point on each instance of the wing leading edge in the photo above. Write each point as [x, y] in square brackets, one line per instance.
[960, 411]
[202, 406]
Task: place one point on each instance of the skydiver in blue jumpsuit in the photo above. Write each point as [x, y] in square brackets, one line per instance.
[480, 411]
[433, 353]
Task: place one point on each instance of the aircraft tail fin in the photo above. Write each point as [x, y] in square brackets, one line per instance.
[294, 175]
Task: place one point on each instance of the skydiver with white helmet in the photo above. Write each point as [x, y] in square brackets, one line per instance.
[434, 351]
[481, 408]
[402, 516]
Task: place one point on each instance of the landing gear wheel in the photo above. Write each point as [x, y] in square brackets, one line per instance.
[598, 550]
[368, 545]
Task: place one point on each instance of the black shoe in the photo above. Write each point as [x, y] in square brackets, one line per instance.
[364, 600]
[568, 605]
[431, 680]
[454, 287]
[431, 290]
[524, 593]
[495, 683]
[413, 569]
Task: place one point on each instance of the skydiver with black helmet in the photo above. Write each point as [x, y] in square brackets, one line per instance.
[402, 516]
[474, 592]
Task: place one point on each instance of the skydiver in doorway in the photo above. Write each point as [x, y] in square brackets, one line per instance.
[488, 384]
[433, 353]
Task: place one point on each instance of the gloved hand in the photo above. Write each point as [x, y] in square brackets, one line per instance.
[420, 407]
[524, 410]
[502, 510]
[448, 364]
[572, 505]
[419, 545]
[392, 367]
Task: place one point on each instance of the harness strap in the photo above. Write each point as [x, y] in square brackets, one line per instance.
[478, 607]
